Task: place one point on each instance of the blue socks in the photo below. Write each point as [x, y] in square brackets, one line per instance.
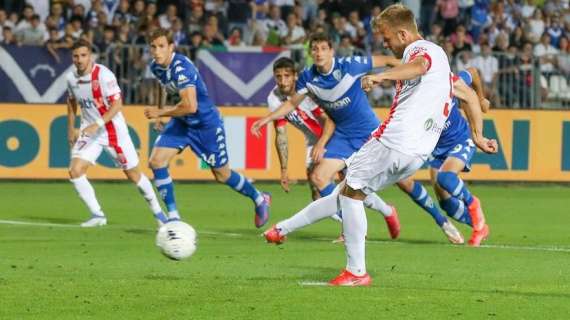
[456, 209]
[327, 190]
[420, 196]
[240, 184]
[163, 183]
[451, 183]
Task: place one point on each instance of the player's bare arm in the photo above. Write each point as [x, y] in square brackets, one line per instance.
[474, 115]
[282, 146]
[479, 89]
[158, 124]
[407, 71]
[187, 105]
[116, 106]
[71, 114]
[383, 61]
[281, 112]
[328, 129]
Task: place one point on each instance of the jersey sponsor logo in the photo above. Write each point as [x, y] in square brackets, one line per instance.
[431, 125]
[428, 124]
[337, 104]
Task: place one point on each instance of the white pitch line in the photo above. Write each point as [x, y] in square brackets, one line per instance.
[236, 235]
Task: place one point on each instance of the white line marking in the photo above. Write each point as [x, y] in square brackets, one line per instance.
[236, 235]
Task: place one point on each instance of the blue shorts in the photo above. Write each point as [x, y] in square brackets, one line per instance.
[208, 143]
[340, 147]
[463, 151]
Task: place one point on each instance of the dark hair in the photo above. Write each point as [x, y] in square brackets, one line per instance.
[320, 37]
[161, 33]
[36, 17]
[284, 63]
[80, 44]
[76, 18]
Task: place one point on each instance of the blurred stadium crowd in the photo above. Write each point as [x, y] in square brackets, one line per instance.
[521, 47]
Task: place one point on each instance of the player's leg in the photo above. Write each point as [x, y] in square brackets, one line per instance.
[158, 162]
[83, 155]
[448, 179]
[210, 145]
[322, 176]
[314, 190]
[169, 143]
[145, 188]
[421, 197]
[454, 207]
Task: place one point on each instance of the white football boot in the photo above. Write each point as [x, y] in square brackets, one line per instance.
[453, 235]
[95, 221]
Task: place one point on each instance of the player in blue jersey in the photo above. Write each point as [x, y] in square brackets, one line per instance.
[334, 83]
[452, 155]
[195, 123]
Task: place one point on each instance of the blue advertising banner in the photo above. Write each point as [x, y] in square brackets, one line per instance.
[31, 74]
[238, 78]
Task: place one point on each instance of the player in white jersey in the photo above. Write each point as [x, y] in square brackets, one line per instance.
[307, 117]
[94, 89]
[403, 141]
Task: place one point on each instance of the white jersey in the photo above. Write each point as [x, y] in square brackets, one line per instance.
[94, 93]
[421, 106]
[304, 117]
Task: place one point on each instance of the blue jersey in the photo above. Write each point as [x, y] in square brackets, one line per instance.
[340, 94]
[456, 129]
[181, 74]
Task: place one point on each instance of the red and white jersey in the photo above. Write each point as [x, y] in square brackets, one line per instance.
[94, 93]
[421, 106]
[305, 117]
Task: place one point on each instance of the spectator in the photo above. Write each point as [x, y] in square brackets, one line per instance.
[137, 15]
[461, 42]
[487, 65]
[32, 35]
[563, 58]
[427, 16]
[235, 38]
[79, 10]
[108, 39]
[480, 18]
[536, 26]
[4, 22]
[212, 39]
[436, 35]
[518, 37]
[465, 7]
[345, 47]
[57, 15]
[525, 81]
[310, 9]
[166, 19]
[555, 30]
[546, 53]
[294, 34]
[26, 20]
[86, 4]
[40, 7]
[273, 26]
[178, 34]
[528, 8]
[354, 24]
[448, 13]
[196, 19]
[54, 43]
[123, 12]
[507, 77]
[8, 37]
[76, 23]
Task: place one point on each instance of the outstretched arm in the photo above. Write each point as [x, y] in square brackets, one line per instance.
[328, 129]
[383, 61]
[281, 112]
[472, 110]
[406, 71]
[479, 89]
[187, 105]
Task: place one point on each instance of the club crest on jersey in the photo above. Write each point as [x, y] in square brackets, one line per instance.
[337, 75]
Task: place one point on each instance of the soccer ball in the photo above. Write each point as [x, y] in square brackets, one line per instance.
[176, 240]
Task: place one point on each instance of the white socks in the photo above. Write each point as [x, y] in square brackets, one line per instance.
[87, 194]
[374, 202]
[145, 187]
[354, 227]
[315, 211]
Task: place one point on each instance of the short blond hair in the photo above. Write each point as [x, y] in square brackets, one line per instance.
[396, 16]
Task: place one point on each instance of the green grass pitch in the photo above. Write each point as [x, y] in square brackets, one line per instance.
[59, 271]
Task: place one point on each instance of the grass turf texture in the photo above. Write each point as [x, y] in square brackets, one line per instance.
[116, 272]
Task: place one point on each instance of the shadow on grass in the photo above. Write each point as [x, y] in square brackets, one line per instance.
[51, 219]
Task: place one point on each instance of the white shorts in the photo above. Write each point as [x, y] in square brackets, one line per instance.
[375, 167]
[124, 153]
